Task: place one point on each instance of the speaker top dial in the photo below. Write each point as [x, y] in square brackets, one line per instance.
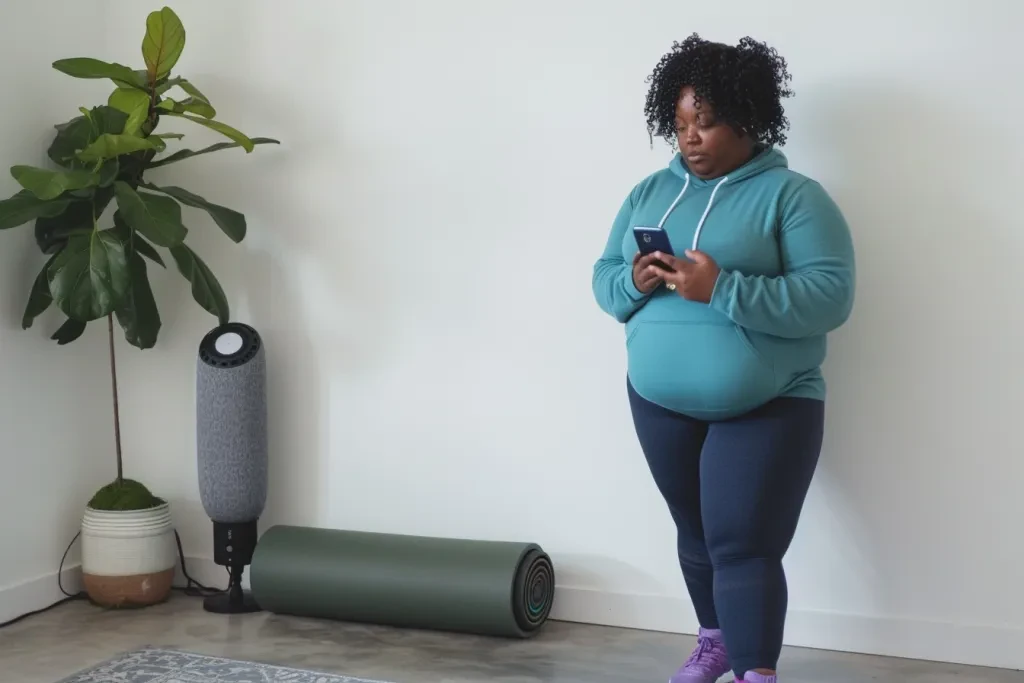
[229, 345]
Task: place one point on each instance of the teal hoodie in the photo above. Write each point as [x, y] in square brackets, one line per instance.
[787, 279]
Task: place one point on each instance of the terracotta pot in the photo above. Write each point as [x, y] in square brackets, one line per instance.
[128, 557]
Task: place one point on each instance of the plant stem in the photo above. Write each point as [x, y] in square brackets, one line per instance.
[113, 383]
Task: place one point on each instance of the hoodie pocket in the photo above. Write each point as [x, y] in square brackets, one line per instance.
[699, 367]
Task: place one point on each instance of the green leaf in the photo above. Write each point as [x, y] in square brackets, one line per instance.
[135, 241]
[157, 218]
[87, 67]
[146, 249]
[163, 44]
[77, 133]
[108, 146]
[39, 298]
[89, 277]
[134, 103]
[198, 106]
[168, 84]
[229, 220]
[25, 206]
[47, 184]
[68, 332]
[107, 120]
[108, 172]
[136, 119]
[52, 232]
[206, 291]
[193, 91]
[222, 128]
[138, 314]
[183, 154]
[128, 100]
[192, 105]
[139, 80]
[198, 103]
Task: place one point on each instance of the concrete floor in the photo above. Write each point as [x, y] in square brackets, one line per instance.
[48, 647]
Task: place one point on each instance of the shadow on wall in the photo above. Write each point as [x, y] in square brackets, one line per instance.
[604, 574]
[318, 287]
[341, 281]
[301, 273]
[255, 276]
[295, 395]
[926, 346]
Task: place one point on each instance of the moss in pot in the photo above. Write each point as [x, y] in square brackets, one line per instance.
[126, 494]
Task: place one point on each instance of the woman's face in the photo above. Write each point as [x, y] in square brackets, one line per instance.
[709, 147]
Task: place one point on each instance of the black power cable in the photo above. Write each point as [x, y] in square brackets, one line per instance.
[60, 572]
[191, 588]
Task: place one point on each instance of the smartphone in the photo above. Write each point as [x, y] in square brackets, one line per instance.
[650, 240]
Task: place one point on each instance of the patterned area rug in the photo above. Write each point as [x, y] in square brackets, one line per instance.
[168, 666]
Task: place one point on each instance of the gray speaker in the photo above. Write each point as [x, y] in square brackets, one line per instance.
[231, 435]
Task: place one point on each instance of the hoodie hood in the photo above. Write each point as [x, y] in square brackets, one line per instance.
[764, 159]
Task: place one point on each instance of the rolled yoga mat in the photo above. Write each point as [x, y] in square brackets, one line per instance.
[484, 587]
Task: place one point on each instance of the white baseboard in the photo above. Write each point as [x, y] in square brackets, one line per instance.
[37, 593]
[970, 644]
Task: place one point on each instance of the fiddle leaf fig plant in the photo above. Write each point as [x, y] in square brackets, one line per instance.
[98, 269]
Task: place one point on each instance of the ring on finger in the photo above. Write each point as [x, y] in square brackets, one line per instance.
[671, 286]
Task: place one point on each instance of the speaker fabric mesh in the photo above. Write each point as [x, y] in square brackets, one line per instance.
[231, 427]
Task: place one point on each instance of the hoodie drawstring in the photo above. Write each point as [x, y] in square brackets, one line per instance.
[672, 208]
[707, 209]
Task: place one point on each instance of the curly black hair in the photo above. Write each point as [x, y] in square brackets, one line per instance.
[744, 84]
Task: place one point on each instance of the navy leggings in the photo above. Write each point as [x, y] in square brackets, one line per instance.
[735, 489]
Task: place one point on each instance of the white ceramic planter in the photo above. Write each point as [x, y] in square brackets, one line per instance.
[128, 557]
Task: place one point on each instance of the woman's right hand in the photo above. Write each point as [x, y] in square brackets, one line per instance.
[646, 278]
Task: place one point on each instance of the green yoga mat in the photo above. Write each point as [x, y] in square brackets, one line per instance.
[483, 587]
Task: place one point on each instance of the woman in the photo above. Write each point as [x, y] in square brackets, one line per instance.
[725, 340]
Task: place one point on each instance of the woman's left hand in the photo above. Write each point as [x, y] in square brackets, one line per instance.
[694, 277]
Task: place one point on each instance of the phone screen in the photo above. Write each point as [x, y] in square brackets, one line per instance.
[650, 240]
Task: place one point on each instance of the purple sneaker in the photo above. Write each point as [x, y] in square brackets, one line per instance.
[754, 677]
[708, 662]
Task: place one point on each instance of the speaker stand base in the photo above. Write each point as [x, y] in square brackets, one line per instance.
[234, 600]
[229, 603]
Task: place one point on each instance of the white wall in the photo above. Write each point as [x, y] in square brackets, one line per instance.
[419, 263]
[56, 434]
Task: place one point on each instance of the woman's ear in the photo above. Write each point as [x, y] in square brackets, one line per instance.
[744, 135]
